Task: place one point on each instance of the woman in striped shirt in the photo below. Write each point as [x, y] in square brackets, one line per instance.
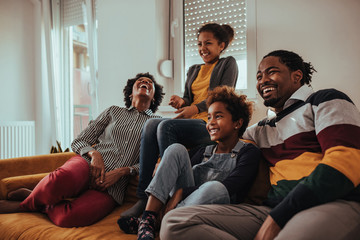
[96, 178]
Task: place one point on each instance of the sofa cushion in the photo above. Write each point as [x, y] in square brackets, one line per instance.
[38, 226]
[130, 195]
[261, 186]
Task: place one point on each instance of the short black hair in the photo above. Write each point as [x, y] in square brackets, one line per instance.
[294, 62]
[236, 104]
[158, 96]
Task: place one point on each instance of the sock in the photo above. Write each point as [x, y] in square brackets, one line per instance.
[147, 226]
[129, 225]
[136, 210]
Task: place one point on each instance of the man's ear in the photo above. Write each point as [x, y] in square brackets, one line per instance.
[297, 76]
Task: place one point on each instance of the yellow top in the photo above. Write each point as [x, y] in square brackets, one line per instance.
[200, 88]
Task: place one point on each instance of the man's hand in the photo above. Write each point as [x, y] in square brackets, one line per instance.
[269, 230]
[186, 112]
[176, 102]
[97, 168]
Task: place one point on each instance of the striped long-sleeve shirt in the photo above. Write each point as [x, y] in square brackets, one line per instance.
[115, 134]
[313, 148]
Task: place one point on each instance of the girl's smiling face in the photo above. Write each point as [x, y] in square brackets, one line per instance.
[220, 125]
[209, 47]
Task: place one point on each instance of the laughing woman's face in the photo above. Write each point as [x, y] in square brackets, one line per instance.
[144, 87]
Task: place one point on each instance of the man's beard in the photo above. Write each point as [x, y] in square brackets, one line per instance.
[271, 102]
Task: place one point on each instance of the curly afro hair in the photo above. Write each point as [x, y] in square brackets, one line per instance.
[158, 96]
[236, 104]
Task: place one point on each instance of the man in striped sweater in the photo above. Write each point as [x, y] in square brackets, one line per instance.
[313, 151]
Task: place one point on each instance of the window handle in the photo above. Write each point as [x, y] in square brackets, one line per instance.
[174, 24]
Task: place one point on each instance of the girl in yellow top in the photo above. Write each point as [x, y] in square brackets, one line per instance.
[189, 126]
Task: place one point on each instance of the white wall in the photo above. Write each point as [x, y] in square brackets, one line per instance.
[133, 38]
[324, 32]
[17, 75]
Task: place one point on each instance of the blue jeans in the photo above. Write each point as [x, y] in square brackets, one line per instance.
[175, 172]
[158, 134]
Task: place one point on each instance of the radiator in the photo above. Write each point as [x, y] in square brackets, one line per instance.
[17, 139]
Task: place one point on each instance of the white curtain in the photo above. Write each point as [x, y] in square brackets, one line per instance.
[89, 11]
[51, 69]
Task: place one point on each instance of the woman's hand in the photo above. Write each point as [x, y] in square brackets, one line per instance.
[97, 168]
[176, 102]
[111, 178]
[268, 230]
[187, 112]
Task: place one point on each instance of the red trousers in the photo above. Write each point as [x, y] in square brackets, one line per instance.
[71, 180]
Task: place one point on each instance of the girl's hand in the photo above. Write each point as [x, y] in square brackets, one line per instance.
[176, 101]
[111, 178]
[97, 168]
[187, 112]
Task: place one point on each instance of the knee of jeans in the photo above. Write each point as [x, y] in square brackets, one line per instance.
[176, 149]
[166, 127]
[213, 188]
[151, 125]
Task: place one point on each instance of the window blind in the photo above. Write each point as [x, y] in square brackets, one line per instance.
[72, 12]
[198, 12]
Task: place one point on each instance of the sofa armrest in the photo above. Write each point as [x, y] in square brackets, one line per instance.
[21, 166]
[12, 183]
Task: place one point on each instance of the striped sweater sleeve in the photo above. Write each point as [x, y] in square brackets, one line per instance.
[337, 126]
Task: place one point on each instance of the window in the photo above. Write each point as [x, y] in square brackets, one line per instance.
[78, 61]
[240, 14]
[81, 79]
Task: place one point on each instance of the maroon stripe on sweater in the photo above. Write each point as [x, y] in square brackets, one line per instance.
[292, 147]
[340, 135]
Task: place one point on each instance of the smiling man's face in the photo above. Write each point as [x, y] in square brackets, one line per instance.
[276, 83]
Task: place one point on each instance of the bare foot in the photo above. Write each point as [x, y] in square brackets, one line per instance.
[171, 204]
[9, 206]
[19, 194]
[174, 200]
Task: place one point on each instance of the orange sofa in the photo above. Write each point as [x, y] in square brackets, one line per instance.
[28, 171]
